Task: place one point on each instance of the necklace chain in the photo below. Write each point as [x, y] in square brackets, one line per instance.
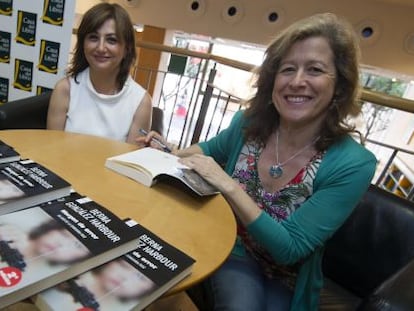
[276, 170]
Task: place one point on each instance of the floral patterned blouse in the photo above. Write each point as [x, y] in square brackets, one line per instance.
[279, 205]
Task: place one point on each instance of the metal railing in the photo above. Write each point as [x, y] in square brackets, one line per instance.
[196, 109]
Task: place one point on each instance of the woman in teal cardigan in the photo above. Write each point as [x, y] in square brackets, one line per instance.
[288, 168]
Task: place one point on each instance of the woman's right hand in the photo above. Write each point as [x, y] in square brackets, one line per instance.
[155, 140]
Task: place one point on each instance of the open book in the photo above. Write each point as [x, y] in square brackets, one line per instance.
[148, 165]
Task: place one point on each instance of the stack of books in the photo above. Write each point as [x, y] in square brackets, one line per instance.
[7, 153]
[67, 252]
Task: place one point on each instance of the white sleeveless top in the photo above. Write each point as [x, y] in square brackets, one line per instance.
[102, 115]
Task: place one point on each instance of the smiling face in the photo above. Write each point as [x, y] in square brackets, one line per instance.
[103, 49]
[305, 83]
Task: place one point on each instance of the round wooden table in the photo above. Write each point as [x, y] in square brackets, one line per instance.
[204, 228]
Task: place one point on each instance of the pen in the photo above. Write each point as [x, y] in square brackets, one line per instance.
[164, 146]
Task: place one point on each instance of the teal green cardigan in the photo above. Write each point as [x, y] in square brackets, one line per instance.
[343, 176]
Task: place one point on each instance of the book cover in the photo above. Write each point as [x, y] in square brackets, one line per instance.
[47, 244]
[26, 183]
[8, 153]
[149, 165]
[130, 282]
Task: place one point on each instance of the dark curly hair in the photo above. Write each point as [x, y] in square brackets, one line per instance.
[93, 19]
[264, 118]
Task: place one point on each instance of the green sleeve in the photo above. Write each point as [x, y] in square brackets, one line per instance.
[226, 146]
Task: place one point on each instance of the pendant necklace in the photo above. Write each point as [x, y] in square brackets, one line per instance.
[276, 170]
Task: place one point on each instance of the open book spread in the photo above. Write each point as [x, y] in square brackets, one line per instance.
[147, 165]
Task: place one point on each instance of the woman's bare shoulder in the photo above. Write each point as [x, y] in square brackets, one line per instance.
[62, 86]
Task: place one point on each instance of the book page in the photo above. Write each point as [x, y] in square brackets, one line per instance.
[193, 180]
[151, 160]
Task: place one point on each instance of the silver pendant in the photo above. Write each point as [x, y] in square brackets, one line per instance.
[276, 171]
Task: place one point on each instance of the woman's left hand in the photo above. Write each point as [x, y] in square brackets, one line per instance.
[210, 171]
[243, 206]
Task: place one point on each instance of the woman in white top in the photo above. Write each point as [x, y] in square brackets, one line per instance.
[98, 96]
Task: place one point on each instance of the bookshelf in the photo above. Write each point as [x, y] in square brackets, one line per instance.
[399, 182]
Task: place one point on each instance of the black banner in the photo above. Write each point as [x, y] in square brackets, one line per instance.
[26, 28]
[5, 43]
[6, 7]
[49, 56]
[4, 90]
[53, 11]
[23, 75]
[42, 89]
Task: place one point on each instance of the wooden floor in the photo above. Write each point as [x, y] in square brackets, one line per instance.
[178, 302]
